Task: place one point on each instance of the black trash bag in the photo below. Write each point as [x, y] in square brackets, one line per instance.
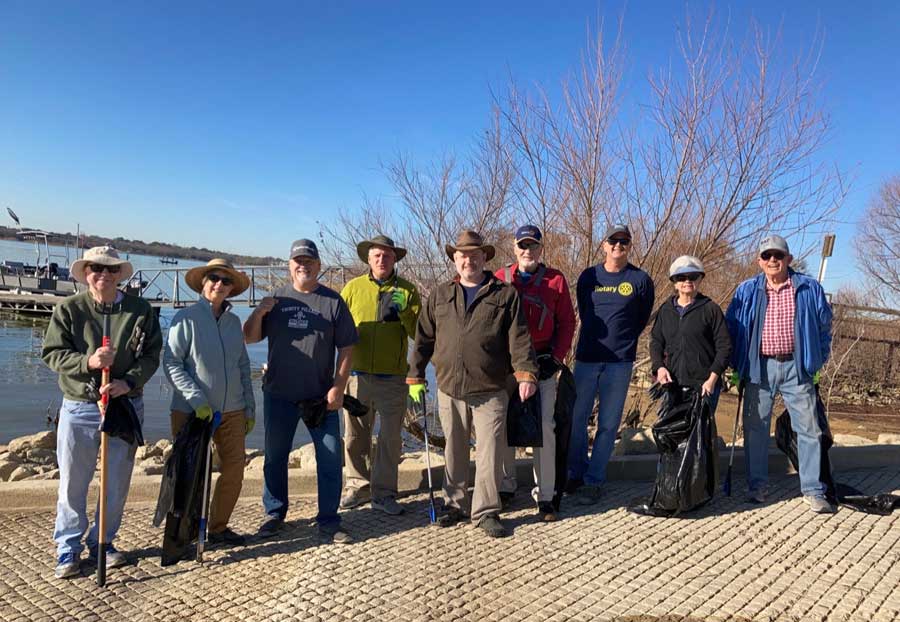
[121, 421]
[688, 468]
[847, 496]
[562, 417]
[523, 421]
[313, 412]
[181, 493]
[354, 407]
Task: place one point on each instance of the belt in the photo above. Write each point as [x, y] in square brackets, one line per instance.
[781, 358]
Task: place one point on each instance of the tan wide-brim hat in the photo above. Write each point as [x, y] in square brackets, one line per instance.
[194, 276]
[362, 249]
[469, 241]
[103, 255]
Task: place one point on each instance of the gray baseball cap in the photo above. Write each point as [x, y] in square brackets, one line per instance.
[774, 243]
[686, 264]
[304, 248]
[615, 228]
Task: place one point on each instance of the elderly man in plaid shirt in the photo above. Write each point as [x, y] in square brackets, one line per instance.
[780, 325]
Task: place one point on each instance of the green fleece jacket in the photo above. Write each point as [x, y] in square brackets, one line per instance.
[384, 330]
[76, 331]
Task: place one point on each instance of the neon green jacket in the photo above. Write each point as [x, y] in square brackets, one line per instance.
[384, 331]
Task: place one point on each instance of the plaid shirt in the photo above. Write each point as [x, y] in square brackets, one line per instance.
[778, 326]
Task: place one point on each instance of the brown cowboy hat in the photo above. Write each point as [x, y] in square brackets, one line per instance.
[470, 240]
[362, 249]
[194, 277]
[105, 256]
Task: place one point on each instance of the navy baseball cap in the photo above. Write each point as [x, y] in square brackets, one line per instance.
[528, 232]
[304, 248]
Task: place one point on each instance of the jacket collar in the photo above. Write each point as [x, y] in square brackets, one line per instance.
[391, 278]
[797, 279]
[226, 306]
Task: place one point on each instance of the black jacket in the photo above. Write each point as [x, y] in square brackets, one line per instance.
[690, 346]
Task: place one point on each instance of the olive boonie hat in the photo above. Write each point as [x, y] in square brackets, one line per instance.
[362, 249]
[194, 277]
[469, 241]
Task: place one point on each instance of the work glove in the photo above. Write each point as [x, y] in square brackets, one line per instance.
[400, 299]
[204, 412]
[817, 377]
[248, 425]
[417, 393]
[734, 379]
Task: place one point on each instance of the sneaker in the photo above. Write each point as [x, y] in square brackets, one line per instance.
[354, 497]
[756, 496]
[820, 505]
[114, 558]
[339, 536]
[227, 536]
[270, 527]
[449, 518]
[388, 505]
[492, 526]
[67, 566]
[546, 511]
[588, 494]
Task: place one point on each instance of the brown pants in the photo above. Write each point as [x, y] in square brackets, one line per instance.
[387, 397]
[229, 441]
[485, 414]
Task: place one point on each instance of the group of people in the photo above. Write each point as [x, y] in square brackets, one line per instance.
[491, 337]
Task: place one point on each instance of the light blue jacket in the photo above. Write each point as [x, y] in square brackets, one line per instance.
[812, 326]
[206, 361]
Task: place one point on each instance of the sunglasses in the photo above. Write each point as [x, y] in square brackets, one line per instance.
[99, 267]
[693, 276]
[767, 255]
[528, 246]
[620, 241]
[215, 278]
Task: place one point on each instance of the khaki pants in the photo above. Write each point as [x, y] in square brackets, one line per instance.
[387, 397]
[485, 414]
[229, 440]
[544, 457]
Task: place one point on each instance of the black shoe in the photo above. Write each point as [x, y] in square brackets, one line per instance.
[546, 511]
[506, 498]
[492, 526]
[270, 527]
[572, 485]
[227, 536]
[450, 518]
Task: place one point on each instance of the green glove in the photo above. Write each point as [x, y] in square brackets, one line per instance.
[734, 379]
[817, 377]
[400, 299]
[205, 412]
[417, 393]
[248, 425]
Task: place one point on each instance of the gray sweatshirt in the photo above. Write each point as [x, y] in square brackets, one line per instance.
[206, 361]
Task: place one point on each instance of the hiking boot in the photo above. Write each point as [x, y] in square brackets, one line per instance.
[337, 536]
[227, 536]
[388, 505]
[588, 494]
[270, 527]
[449, 518]
[492, 526]
[820, 505]
[114, 558]
[546, 511]
[756, 496]
[354, 497]
[67, 566]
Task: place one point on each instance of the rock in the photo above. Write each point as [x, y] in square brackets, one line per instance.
[307, 455]
[295, 459]
[41, 440]
[256, 464]
[635, 442]
[151, 468]
[52, 474]
[889, 439]
[6, 469]
[149, 451]
[41, 456]
[21, 472]
[850, 440]
[3, 449]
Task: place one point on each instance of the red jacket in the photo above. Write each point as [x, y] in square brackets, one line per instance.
[557, 330]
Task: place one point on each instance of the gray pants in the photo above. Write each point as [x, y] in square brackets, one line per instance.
[387, 397]
[485, 415]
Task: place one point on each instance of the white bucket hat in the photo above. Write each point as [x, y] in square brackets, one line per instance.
[105, 256]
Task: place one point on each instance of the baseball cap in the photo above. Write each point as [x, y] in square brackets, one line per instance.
[686, 264]
[304, 248]
[773, 243]
[617, 228]
[528, 232]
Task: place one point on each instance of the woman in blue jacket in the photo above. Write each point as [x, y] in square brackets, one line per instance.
[206, 361]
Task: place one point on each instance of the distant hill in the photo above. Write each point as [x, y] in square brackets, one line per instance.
[158, 249]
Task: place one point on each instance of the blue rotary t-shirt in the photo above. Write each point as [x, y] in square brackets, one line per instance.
[614, 308]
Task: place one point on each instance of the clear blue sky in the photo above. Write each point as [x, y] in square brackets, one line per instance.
[237, 125]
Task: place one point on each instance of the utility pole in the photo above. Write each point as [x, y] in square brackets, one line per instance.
[827, 249]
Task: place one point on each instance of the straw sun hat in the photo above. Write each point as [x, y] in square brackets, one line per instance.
[194, 276]
[105, 256]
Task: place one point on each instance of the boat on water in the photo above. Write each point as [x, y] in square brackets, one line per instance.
[168, 260]
[49, 274]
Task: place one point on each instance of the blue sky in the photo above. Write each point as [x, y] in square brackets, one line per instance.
[238, 125]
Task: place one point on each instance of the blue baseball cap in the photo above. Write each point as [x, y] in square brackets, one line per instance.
[528, 232]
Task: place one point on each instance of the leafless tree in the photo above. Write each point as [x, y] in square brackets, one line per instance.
[879, 239]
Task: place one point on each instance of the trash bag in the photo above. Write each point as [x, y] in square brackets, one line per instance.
[354, 407]
[562, 418]
[313, 412]
[688, 468]
[121, 421]
[523, 421]
[181, 492]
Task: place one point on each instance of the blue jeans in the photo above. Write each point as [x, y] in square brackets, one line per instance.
[800, 399]
[77, 446]
[281, 418]
[610, 381]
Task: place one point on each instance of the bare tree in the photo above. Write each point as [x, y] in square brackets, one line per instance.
[879, 239]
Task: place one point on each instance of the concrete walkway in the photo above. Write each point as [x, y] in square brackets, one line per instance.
[728, 561]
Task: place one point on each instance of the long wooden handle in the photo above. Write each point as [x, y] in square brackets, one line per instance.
[104, 441]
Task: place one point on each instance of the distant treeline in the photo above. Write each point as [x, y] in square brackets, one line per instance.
[158, 249]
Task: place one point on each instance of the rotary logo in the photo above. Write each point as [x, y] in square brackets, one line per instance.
[625, 289]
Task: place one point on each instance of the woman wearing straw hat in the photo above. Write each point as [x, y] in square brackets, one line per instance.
[206, 361]
[73, 348]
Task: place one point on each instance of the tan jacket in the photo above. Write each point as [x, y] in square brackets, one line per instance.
[475, 350]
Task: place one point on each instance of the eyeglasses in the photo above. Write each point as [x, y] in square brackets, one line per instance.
[528, 246]
[99, 267]
[767, 255]
[692, 276]
[215, 278]
[620, 241]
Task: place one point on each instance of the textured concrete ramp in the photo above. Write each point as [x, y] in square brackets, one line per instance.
[729, 561]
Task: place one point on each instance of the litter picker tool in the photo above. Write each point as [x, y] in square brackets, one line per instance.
[726, 486]
[207, 477]
[432, 515]
[106, 311]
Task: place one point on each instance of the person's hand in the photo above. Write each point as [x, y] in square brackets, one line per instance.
[417, 393]
[248, 425]
[526, 390]
[102, 357]
[204, 412]
[265, 305]
[734, 379]
[663, 376]
[400, 299]
[708, 387]
[115, 388]
[335, 398]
